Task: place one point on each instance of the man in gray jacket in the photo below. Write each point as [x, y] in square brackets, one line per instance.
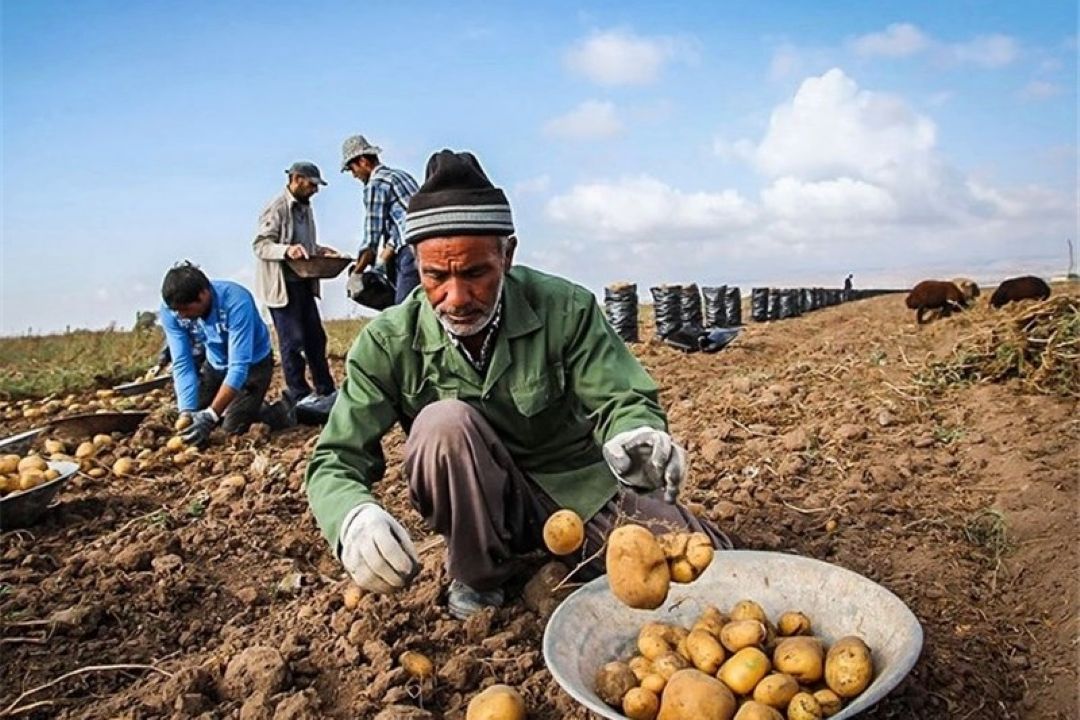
[287, 231]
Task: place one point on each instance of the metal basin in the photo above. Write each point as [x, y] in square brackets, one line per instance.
[23, 509]
[81, 426]
[320, 266]
[591, 627]
[142, 386]
[18, 444]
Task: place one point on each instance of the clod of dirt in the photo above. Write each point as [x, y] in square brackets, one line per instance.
[259, 432]
[299, 706]
[849, 432]
[257, 668]
[540, 595]
[797, 439]
[460, 671]
[166, 564]
[133, 558]
[77, 621]
[378, 654]
[403, 712]
[256, 707]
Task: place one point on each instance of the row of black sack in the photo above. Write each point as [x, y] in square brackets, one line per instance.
[688, 308]
[687, 317]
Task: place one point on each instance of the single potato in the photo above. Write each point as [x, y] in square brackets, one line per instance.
[183, 422]
[743, 671]
[564, 532]
[30, 479]
[670, 663]
[692, 695]
[706, 652]
[776, 690]
[749, 610]
[655, 682]
[85, 450]
[804, 707]
[9, 464]
[613, 681]
[801, 657]
[653, 640]
[103, 441]
[32, 462]
[849, 667]
[640, 704]
[742, 633]
[793, 623]
[640, 666]
[829, 701]
[175, 443]
[417, 664]
[123, 467]
[636, 567]
[498, 702]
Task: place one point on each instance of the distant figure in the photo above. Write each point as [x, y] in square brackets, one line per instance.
[386, 196]
[935, 295]
[968, 287]
[1027, 287]
[231, 386]
[287, 231]
[847, 283]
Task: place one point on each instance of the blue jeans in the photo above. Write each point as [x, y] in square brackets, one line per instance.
[407, 275]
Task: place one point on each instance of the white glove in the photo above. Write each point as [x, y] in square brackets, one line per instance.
[646, 459]
[376, 550]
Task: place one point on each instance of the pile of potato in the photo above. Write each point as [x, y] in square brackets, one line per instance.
[23, 473]
[99, 401]
[738, 665]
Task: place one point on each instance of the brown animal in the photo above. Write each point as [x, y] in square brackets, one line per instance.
[968, 287]
[935, 295]
[1020, 288]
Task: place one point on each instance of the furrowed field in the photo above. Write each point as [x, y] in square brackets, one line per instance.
[940, 461]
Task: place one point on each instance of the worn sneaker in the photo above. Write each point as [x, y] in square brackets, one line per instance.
[463, 601]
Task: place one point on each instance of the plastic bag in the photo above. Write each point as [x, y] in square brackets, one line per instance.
[774, 303]
[690, 305]
[759, 304]
[621, 308]
[667, 305]
[732, 307]
[715, 316]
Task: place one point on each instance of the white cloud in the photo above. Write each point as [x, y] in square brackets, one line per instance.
[619, 57]
[847, 173]
[645, 208]
[989, 51]
[590, 120]
[1040, 90]
[898, 40]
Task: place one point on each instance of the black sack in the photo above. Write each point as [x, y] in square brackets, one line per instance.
[759, 304]
[732, 307]
[621, 308]
[667, 306]
[370, 288]
[690, 305]
[715, 316]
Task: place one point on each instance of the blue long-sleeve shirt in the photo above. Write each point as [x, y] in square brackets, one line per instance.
[235, 339]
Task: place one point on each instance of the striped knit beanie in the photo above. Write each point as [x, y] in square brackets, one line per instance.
[456, 199]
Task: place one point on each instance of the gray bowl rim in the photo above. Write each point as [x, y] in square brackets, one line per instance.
[860, 704]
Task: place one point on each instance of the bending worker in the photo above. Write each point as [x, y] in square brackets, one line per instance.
[517, 397]
[231, 385]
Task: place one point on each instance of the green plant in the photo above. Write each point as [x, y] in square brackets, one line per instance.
[196, 508]
[947, 435]
[988, 530]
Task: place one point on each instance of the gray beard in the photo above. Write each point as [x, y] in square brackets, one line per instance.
[477, 327]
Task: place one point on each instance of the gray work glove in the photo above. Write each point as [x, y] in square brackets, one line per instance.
[202, 422]
[376, 550]
[646, 459]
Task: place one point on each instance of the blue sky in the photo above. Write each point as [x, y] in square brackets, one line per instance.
[777, 143]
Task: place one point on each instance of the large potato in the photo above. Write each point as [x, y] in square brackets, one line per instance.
[751, 710]
[498, 702]
[743, 670]
[9, 464]
[636, 567]
[32, 462]
[706, 652]
[849, 667]
[613, 681]
[742, 633]
[776, 690]
[692, 695]
[564, 532]
[801, 657]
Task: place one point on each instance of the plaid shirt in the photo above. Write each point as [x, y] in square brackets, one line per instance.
[386, 196]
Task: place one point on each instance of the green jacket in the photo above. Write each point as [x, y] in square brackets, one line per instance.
[560, 383]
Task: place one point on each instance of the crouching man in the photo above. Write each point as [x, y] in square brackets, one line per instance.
[517, 397]
[230, 387]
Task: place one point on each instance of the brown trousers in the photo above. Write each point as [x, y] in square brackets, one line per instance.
[466, 486]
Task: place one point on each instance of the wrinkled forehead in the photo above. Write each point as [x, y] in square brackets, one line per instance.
[458, 251]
